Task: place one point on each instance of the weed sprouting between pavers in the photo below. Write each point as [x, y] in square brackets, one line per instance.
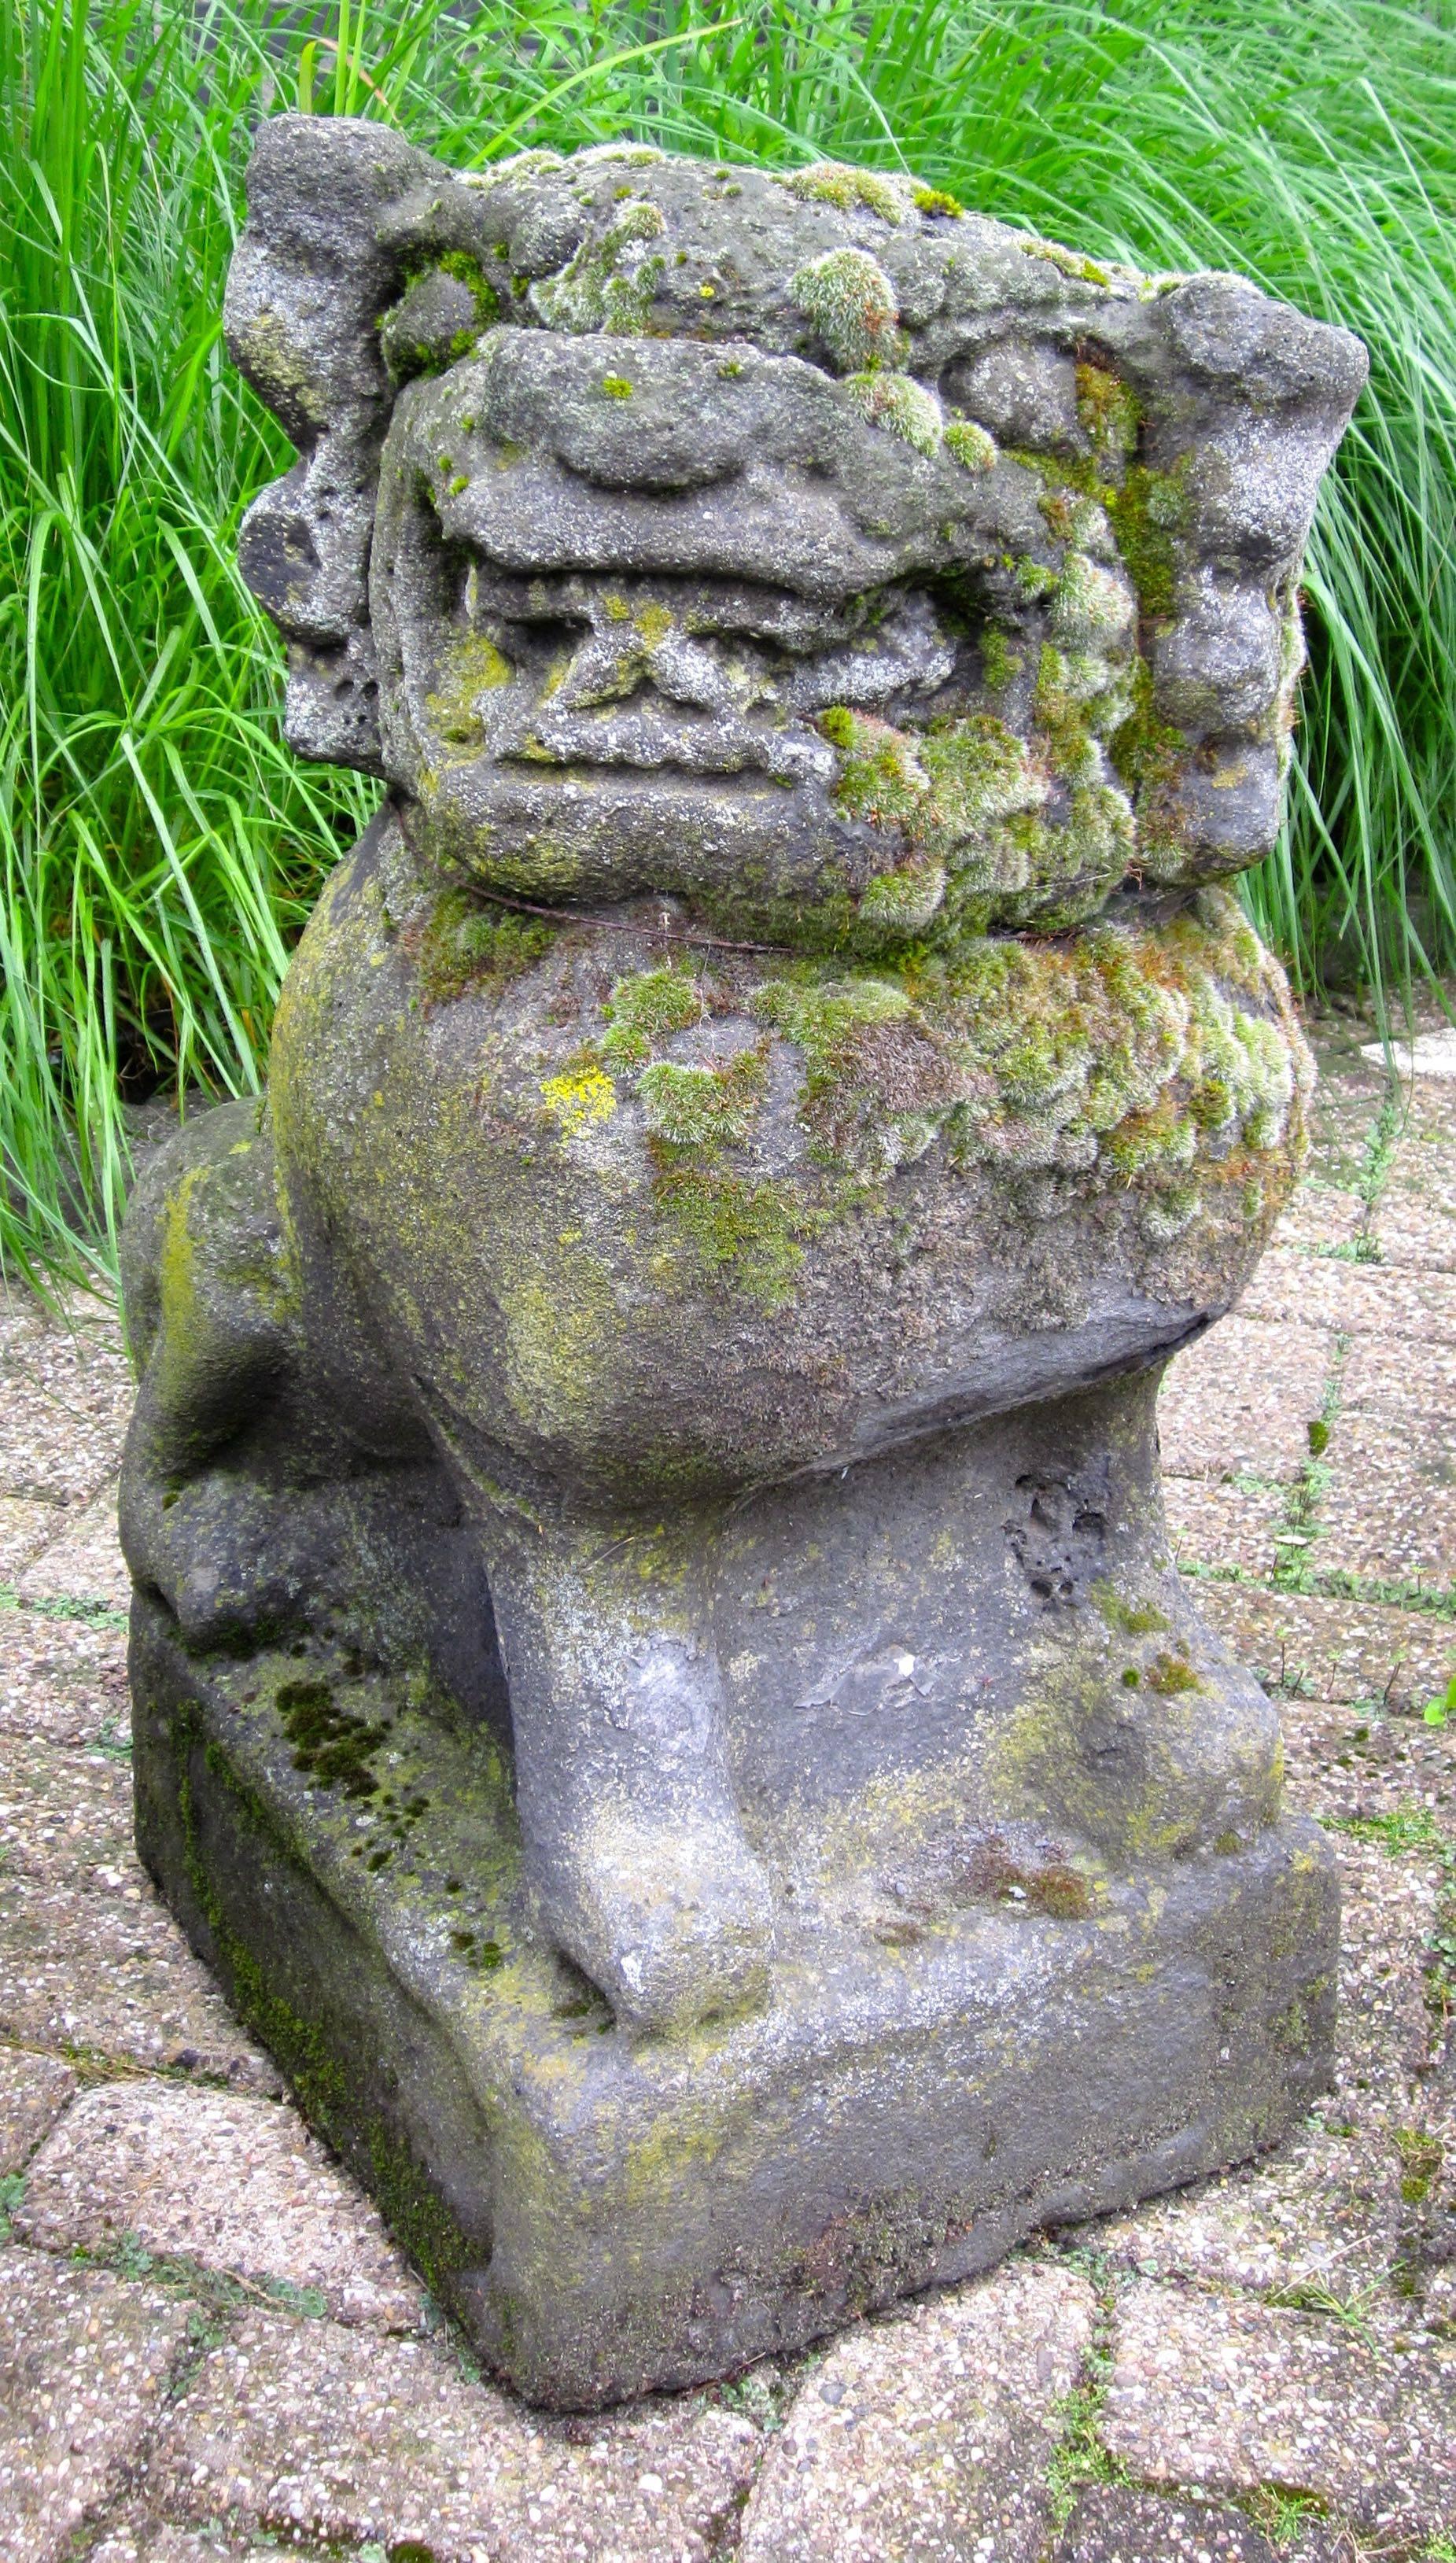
[1335, 1584]
[62, 1606]
[1081, 2455]
[1306, 1492]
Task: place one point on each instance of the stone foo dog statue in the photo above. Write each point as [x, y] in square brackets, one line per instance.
[659, 1683]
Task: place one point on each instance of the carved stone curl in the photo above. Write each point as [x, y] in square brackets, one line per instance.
[659, 1683]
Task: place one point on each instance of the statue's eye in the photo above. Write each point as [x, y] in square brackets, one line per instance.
[438, 318]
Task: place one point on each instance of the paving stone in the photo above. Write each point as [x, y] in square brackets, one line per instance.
[1349, 1763]
[1335, 1651]
[1379, 1377]
[63, 1679]
[1389, 1511]
[34, 2089]
[84, 2357]
[234, 2182]
[1213, 2390]
[1224, 1525]
[1431, 1053]
[1243, 1397]
[142, 2540]
[928, 2436]
[1409, 1227]
[89, 1957]
[1351, 1299]
[85, 1564]
[1112, 2524]
[1321, 1217]
[26, 1526]
[308, 2429]
[66, 1397]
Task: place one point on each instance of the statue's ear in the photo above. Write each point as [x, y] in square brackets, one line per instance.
[318, 264]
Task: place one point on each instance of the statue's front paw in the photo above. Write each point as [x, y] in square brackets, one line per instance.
[673, 1922]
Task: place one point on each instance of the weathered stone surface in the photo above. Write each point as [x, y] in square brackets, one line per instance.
[1330, 2210]
[34, 2089]
[1321, 1219]
[85, 1564]
[63, 1680]
[1112, 2525]
[659, 1683]
[1416, 1220]
[1377, 1378]
[1207, 2390]
[305, 2428]
[594, 2259]
[1243, 1397]
[928, 2437]
[1353, 1764]
[85, 2357]
[233, 2182]
[89, 1957]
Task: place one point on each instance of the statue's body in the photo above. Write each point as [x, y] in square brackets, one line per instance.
[659, 1680]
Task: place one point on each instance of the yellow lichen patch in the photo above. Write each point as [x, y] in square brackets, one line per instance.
[578, 1098]
[561, 1339]
[469, 668]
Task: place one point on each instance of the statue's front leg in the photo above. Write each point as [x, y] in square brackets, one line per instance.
[632, 1839]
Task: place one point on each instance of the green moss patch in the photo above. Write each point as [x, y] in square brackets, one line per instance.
[647, 1005]
[467, 946]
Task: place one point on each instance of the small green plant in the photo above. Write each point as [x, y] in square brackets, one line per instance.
[1439, 1710]
[1402, 1829]
[1283, 2516]
[1313, 2297]
[12, 2191]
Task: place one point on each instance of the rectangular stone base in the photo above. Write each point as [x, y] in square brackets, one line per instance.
[607, 2213]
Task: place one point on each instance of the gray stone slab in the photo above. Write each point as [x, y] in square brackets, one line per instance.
[223, 2178]
[310, 2429]
[138, 2539]
[1230, 2394]
[1390, 1512]
[928, 2437]
[34, 2089]
[85, 2357]
[89, 1959]
[430, 2033]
